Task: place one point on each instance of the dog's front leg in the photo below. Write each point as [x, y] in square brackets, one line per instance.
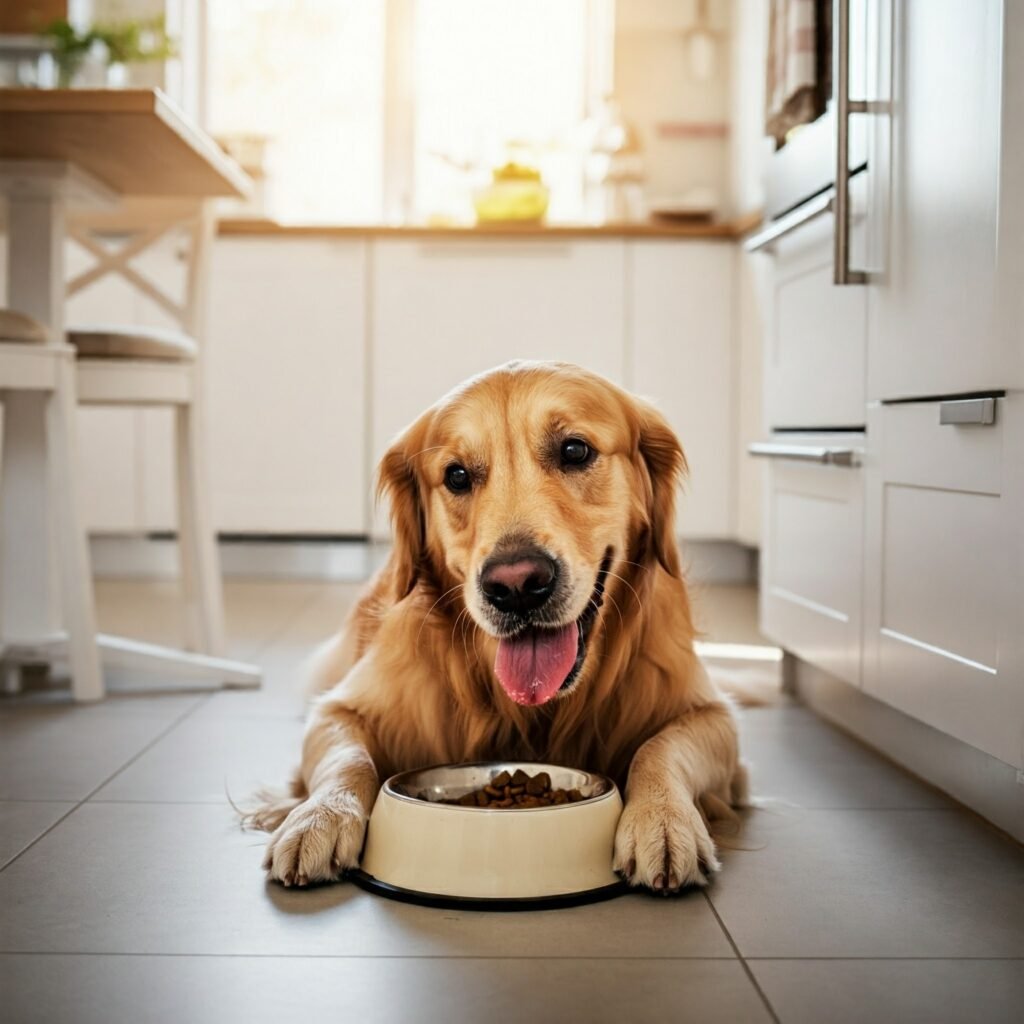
[662, 841]
[323, 835]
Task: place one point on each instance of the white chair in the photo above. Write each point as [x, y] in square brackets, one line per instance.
[40, 376]
[121, 365]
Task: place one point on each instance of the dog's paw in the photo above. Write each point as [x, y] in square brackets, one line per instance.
[315, 843]
[664, 845]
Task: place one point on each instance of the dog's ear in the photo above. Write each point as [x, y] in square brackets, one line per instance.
[663, 457]
[397, 481]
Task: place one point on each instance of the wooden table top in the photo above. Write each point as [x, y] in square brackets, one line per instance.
[135, 141]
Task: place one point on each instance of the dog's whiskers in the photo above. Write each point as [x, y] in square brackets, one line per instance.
[631, 587]
[458, 586]
[455, 626]
[476, 642]
[626, 561]
[465, 623]
[615, 603]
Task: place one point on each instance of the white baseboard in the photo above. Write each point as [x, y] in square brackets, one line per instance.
[719, 561]
[989, 787]
[157, 558]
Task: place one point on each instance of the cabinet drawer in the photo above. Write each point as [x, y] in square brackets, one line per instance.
[812, 556]
[943, 614]
[815, 363]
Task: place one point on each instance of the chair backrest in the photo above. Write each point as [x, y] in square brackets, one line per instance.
[117, 237]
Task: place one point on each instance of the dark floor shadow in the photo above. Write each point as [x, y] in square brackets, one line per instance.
[313, 899]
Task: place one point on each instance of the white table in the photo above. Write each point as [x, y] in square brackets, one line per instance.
[62, 147]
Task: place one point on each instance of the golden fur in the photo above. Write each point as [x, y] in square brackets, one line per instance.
[410, 680]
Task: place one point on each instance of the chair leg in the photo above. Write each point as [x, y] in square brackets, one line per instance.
[200, 565]
[10, 679]
[71, 540]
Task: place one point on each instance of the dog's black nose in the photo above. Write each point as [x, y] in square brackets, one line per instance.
[519, 581]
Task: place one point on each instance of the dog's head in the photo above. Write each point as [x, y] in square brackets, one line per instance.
[529, 490]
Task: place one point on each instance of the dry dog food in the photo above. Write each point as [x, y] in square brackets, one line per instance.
[518, 790]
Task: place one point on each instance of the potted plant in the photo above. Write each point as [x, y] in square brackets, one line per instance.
[134, 42]
[69, 48]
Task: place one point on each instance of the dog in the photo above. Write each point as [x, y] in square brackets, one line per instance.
[533, 607]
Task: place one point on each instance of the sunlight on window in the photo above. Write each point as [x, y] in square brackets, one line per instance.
[490, 73]
[308, 75]
[492, 80]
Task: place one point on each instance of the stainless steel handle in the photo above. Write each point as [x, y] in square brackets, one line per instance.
[978, 411]
[803, 214]
[825, 455]
[842, 274]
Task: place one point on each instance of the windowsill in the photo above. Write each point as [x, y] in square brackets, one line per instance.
[724, 229]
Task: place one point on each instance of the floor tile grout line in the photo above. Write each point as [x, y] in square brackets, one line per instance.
[953, 809]
[294, 718]
[837, 728]
[890, 959]
[496, 957]
[739, 956]
[113, 775]
[33, 800]
[171, 726]
[368, 956]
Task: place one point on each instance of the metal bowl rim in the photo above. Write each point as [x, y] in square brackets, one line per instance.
[387, 789]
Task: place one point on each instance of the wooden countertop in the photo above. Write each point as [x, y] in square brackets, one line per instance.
[135, 141]
[730, 229]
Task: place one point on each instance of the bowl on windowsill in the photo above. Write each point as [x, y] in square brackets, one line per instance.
[422, 850]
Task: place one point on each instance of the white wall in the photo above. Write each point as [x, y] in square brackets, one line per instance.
[655, 86]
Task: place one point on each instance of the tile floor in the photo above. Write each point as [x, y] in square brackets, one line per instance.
[127, 892]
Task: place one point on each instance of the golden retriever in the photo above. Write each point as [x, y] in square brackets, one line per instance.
[532, 608]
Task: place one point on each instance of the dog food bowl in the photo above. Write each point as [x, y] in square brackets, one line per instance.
[424, 851]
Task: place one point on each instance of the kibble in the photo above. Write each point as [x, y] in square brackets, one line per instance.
[517, 790]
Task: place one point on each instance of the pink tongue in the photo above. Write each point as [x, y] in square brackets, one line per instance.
[534, 665]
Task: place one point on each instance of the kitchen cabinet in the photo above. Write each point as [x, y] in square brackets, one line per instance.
[285, 369]
[947, 214]
[443, 310]
[944, 609]
[320, 349]
[284, 379]
[905, 578]
[943, 601]
[815, 358]
[811, 566]
[681, 354]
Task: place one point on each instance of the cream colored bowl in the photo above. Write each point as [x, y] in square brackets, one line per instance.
[438, 853]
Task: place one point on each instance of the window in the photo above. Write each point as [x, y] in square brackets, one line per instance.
[306, 75]
[496, 79]
[402, 107]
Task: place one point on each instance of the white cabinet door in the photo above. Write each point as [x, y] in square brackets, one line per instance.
[812, 559]
[443, 310]
[946, 168]
[816, 339]
[944, 612]
[285, 386]
[681, 355]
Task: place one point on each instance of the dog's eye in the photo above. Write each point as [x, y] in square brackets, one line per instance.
[575, 452]
[456, 479]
